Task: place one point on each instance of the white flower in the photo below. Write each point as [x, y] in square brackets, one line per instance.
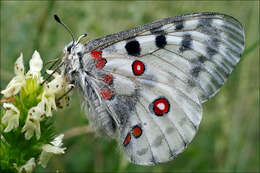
[49, 100]
[58, 140]
[54, 89]
[11, 117]
[28, 167]
[35, 66]
[18, 81]
[56, 84]
[49, 149]
[32, 124]
[64, 101]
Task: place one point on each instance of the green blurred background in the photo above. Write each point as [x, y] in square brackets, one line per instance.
[228, 138]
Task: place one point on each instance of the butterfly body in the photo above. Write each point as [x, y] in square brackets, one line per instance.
[145, 86]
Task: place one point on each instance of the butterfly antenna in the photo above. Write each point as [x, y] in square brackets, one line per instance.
[50, 61]
[80, 37]
[52, 72]
[55, 61]
[56, 17]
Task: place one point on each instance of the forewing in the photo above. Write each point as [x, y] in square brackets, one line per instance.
[162, 72]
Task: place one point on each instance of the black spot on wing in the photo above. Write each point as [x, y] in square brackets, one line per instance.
[209, 30]
[211, 52]
[157, 30]
[186, 43]
[133, 48]
[160, 41]
[191, 83]
[213, 46]
[205, 22]
[202, 59]
[179, 25]
[214, 42]
[195, 71]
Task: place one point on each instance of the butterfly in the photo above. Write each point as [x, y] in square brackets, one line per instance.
[145, 86]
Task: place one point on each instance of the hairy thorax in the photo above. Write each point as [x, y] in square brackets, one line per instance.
[84, 71]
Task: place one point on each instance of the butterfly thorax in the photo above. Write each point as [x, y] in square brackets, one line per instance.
[71, 60]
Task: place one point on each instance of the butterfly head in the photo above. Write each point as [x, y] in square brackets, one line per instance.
[72, 52]
[72, 45]
[69, 47]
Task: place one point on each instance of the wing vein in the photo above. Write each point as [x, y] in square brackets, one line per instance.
[165, 84]
[188, 76]
[138, 117]
[158, 91]
[161, 129]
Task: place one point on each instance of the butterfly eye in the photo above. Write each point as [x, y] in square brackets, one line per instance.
[69, 48]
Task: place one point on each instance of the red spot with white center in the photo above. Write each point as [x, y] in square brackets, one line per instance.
[138, 67]
[108, 78]
[136, 131]
[106, 93]
[161, 106]
[101, 63]
[127, 139]
[96, 54]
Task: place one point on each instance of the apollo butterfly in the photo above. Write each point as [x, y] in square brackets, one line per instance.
[145, 86]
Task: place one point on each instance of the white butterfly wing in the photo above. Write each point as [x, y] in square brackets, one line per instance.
[162, 76]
